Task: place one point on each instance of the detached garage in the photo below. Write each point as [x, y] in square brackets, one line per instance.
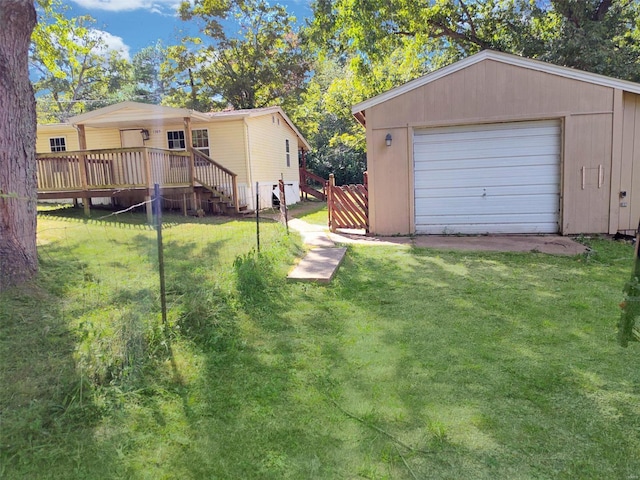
[497, 143]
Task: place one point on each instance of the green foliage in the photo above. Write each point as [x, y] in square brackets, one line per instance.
[630, 307]
[260, 64]
[594, 35]
[72, 65]
[630, 312]
[74, 71]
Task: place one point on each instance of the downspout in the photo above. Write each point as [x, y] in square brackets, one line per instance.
[247, 156]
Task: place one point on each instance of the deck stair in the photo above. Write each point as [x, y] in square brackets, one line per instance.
[312, 184]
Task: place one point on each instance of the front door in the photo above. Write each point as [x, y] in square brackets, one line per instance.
[131, 138]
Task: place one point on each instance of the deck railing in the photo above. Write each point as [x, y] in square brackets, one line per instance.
[313, 184]
[122, 168]
[117, 169]
[215, 177]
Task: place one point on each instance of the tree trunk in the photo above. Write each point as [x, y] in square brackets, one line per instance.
[18, 189]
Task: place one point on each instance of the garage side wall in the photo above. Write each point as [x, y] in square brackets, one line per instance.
[390, 189]
[629, 202]
[492, 92]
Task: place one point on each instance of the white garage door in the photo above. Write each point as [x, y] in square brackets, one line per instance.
[496, 178]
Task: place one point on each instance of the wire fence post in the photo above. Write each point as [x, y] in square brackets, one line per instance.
[258, 217]
[283, 203]
[158, 224]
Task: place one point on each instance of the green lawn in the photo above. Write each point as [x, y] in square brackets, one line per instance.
[412, 364]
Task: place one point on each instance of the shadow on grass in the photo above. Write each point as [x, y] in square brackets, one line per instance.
[124, 218]
[47, 413]
[504, 365]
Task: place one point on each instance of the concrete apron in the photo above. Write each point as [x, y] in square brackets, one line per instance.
[551, 244]
[322, 261]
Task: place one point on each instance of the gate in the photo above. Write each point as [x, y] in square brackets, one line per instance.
[348, 205]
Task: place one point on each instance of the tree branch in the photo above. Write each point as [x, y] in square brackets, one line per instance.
[470, 20]
[602, 10]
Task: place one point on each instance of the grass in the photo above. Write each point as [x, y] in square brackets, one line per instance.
[313, 212]
[413, 363]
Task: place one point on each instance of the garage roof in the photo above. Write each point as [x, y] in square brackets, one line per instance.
[358, 110]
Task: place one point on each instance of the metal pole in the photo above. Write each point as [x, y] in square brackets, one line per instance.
[283, 202]
[257, 217]
[158, 222]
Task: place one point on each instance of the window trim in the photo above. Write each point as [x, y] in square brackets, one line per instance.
[206, 150]
[287, 150]
[183, 140]
[60, 147]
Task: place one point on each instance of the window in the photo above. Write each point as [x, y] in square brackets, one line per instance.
[175, 140]
[288, 154]
[200, 140]
[58, 144]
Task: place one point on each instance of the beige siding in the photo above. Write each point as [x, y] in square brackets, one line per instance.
[228, 147]
[496, 92]
[490, 90]
[98, 138]
[46, 132]
[391, 168]
[630, 165]
[267, 136]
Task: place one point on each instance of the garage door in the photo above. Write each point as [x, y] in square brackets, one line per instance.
[496, 178]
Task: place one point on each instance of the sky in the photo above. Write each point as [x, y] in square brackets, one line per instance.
[131, 25]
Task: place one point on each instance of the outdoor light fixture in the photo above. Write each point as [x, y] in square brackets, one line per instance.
[387, 139]
[145, 134]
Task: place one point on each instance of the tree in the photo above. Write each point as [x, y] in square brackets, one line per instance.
[149, 85]
[261, 64]
[73, 68]
[600, 36]
[323, 112]
[18, 193]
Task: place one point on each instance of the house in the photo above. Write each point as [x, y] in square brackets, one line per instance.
[497, 143]
[231, 152]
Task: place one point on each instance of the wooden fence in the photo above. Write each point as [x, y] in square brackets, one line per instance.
[348, 205]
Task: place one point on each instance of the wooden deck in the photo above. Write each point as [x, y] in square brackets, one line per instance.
[124, 171]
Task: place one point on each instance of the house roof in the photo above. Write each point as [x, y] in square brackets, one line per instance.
[358, 110]
[258, 112]
[134, 114]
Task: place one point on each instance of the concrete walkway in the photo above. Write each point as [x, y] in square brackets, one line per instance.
[322, 261]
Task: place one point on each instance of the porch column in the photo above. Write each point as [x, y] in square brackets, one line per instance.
[82, 164]
[188, 140]
[150, 184]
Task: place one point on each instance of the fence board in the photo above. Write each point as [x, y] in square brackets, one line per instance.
[348, 206]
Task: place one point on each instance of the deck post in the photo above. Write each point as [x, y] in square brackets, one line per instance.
[82, 143]
[149, 174]
[236, 200]
[188, 141]
[149, 208]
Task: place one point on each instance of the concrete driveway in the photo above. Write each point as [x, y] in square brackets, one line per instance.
[551, 244]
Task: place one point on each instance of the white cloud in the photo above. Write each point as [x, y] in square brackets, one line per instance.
[113, 42]
[127, 5]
